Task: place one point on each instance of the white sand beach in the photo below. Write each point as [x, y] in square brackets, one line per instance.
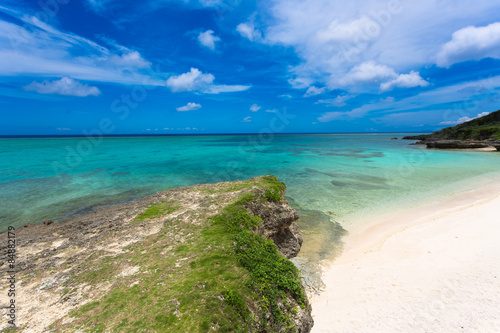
[434, 268]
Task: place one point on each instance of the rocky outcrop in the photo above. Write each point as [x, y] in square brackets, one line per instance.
[416, 137]
[278, 225]
[456, 144]
[163, 251]
[475, 133]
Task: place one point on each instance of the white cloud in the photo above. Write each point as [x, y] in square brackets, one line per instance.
[208, 39]
[354, 113]
[32, 47]
[313, 91]
[471, 43]
[222, 88]
[247, 119]
[367, 72]
[63, 129]
[190, 81]
[248, 31]
[195, 80]
[466, 97]
[300, 82]
[333, 37]
[404, 81]
[189, 107]
[463, 119]
[130, 59]
[329, 116]
[338, 101]
[254, 108]
[388, 99]
[285, 96]
[65, 86]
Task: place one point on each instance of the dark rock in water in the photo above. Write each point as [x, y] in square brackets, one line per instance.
[394, 138]
[416, 137]
[47, 222]
[418, 143]
[456, 144]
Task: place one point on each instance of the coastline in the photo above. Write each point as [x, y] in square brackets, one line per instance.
[186, 256]
[428, 268]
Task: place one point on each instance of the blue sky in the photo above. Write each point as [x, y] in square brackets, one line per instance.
[214, 66]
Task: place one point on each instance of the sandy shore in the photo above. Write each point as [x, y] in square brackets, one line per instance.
[430, 269]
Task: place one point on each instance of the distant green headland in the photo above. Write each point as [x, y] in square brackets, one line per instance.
[477, 133]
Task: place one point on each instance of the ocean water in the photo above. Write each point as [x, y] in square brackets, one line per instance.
[346, 177]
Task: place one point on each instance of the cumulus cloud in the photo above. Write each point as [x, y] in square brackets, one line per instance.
[208, 39]
[471, 43]
[313, 91]
[247, 119]
[333, 37]
[248, 31]
[65, 86]
[254, 108]
[190, 81]
[463, 119]
[131, 59]
[189, 107]
[195, 80]
[404, 81]
[366, 72]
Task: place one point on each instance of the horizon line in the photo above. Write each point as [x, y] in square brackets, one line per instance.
[20, 136]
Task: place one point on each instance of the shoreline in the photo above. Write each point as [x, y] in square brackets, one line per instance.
[427, 268]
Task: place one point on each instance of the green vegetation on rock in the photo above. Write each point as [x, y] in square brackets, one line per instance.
[157, 210]
[484, 128]
[201, 272]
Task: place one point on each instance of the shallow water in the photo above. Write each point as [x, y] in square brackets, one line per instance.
[345, 176]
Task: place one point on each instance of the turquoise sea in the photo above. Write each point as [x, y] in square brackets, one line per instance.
[347, 177]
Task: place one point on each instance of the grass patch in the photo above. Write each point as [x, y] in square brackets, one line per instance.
[157, 210]
[226, 187]
[212, 276]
